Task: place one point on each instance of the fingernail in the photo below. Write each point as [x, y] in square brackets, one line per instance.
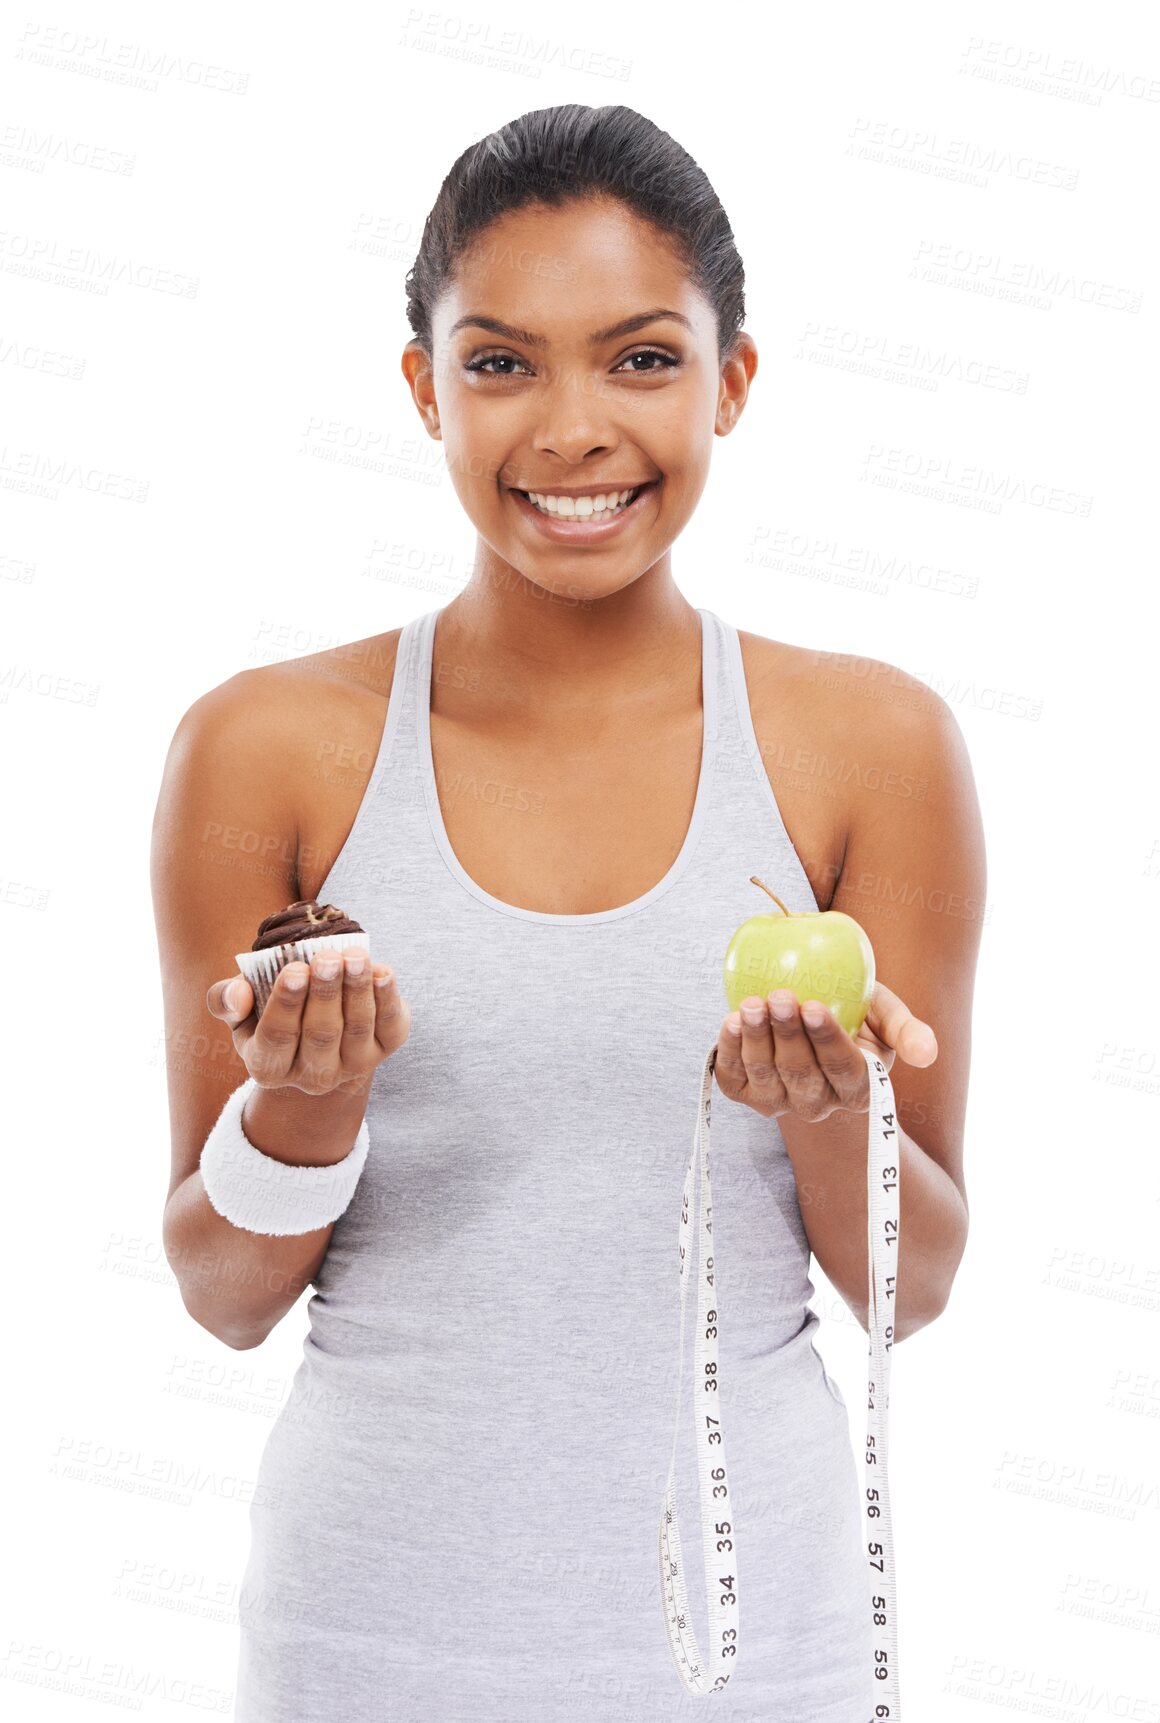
[754, 1018]
[814, 1015]
[229, 997]
[326, 968]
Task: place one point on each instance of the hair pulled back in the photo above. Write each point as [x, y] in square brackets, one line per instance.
[570, 151]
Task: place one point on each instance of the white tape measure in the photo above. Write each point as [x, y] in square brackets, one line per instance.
[718, 1533]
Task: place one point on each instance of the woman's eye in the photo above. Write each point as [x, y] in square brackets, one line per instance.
[666, 359]
[493, 359]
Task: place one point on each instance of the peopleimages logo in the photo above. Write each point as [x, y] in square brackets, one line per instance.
[23, 253]
[99, 56]
[988, 272]
[1044, 1692]
[942, 470]
[30, 469]
[927, 151]
[879, 355]
[1041, 66]
[48, 683]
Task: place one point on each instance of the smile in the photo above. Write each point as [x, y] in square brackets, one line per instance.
[578, 518]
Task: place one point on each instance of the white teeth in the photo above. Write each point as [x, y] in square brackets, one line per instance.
[601, 507]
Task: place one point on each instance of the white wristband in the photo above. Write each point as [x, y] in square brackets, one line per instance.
[276, 1198]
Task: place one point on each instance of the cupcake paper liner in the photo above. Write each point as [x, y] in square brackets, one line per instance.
[260, 968]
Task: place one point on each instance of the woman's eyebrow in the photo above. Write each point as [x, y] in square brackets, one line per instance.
[628, 326]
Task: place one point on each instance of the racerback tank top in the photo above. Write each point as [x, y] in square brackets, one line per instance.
[455, 1518]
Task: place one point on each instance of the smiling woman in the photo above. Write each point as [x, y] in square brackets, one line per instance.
[577, 305]
[457, 1510]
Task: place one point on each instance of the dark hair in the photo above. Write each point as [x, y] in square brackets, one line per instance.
[551, 155]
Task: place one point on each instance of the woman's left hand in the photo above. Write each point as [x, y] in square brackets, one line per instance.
[778, 1065]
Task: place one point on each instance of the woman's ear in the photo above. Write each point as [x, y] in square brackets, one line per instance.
[737, 372]
[417, 368]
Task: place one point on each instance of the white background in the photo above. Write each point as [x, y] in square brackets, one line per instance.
[967, 191]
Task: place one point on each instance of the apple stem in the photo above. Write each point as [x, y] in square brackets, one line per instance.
[753, 880]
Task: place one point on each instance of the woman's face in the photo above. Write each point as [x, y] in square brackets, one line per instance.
[535, 386]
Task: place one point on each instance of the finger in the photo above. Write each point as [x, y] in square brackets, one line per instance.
[318, 1069]
[762, 1086]
[232, 1000]
[842, 1065]
[912, 1039]
[273, 1047]
[757, 1045]
[727, 1066]
[763, 1076]
[357, 1052]
[392, 1013]
[805, 1082]
[727, 1063]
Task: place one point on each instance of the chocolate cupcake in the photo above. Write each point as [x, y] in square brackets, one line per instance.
[293, 935]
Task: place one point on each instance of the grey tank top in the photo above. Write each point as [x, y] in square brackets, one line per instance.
[456, 1513]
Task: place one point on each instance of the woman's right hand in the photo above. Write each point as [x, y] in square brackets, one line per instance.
[328, 1033]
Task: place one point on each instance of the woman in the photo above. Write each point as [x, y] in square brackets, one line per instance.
[544, 802]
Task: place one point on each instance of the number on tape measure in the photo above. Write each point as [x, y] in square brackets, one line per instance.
[718, 1534]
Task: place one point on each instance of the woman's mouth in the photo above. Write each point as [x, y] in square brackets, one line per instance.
[584, 518]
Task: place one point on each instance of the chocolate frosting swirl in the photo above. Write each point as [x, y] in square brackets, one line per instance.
[306, 920]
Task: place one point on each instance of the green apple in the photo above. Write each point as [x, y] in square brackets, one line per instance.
[817, 954]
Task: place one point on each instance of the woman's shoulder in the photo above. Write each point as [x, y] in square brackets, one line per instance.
[267, 768]
[296, 735]
[345, 686]
[820, 697]
[835, 729]
[814, 675]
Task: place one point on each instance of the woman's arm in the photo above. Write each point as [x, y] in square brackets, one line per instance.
[914, 875]
[224, 856]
